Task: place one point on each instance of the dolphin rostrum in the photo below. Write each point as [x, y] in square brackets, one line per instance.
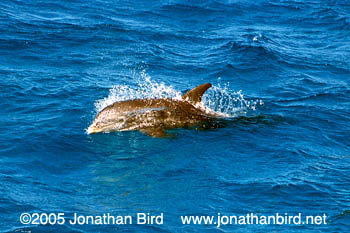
[153, 116]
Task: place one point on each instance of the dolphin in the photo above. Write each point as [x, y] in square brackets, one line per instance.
[153, 116]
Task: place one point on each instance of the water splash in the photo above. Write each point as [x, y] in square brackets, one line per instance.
[221, 99]
[217, 100]
[145, 89]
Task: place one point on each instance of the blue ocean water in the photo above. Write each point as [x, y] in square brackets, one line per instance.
[280, 70]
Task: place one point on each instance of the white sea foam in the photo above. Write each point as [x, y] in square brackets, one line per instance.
[217, 100]
[228, 103]
[146, 88]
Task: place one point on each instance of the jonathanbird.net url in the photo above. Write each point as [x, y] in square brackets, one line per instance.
[254, 219]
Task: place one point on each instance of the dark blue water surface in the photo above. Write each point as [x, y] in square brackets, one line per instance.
[286, 151]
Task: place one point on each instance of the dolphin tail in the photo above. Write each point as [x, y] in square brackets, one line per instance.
[195, 95]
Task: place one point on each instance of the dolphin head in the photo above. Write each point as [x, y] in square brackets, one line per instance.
[106, 121]
[94, 128]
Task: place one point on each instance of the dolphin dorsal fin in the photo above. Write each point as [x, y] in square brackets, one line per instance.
[195, 95]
